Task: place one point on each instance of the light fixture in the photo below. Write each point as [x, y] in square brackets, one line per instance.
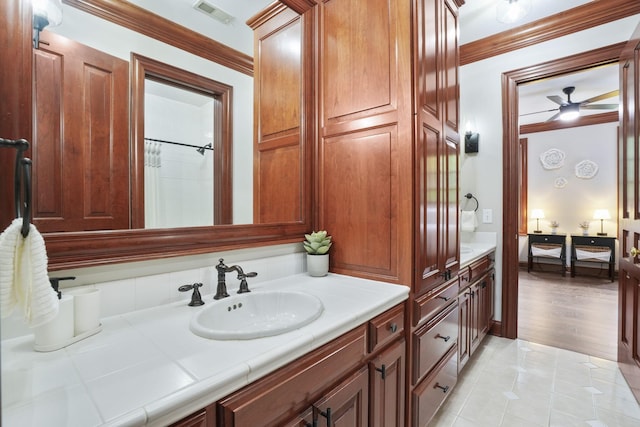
[510, 11]
[537, 214]
[569, 111]
[601, 214]
[46, 13]
[471, 139]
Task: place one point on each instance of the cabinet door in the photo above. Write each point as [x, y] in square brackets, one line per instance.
[199, 419]
[475, 317]
[346, 405]
[464, 346]
[386, 376]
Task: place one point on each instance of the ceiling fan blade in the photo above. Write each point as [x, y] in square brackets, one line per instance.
[552, 118]
[599, 107]
[601, 97]
[538, 112]
[555, 98]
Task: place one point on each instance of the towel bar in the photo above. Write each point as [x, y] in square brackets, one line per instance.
[22, 173]
[471, 196]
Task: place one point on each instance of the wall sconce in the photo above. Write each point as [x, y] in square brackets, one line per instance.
[471, 142]
[45, 13]
[510, 11]
[471, 139]
[537, 214]
[601, 214]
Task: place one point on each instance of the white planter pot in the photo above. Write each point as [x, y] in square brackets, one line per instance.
[317, 265]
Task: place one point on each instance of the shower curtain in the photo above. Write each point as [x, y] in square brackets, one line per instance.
[152, 164]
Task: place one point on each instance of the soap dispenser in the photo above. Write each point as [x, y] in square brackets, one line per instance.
[58, 332]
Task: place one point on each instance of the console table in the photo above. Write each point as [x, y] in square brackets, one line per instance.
[593, 249]
[549, 247]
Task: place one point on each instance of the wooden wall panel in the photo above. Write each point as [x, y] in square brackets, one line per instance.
[281, 193]
[358, 42]
[47, 126]
[280, 80]
[359, 201]
[88, 135]
[278, 174]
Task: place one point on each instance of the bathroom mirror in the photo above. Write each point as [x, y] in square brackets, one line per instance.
[79, 248]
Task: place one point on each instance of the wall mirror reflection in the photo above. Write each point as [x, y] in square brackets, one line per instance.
[88, 141]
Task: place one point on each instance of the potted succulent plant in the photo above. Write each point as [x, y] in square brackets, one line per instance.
[317, 245]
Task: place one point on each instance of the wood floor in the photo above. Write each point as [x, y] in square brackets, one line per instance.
[575, 313]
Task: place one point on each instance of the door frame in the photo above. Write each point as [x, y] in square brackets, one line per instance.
[511, 164]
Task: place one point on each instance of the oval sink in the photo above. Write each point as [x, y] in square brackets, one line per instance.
[256, 314]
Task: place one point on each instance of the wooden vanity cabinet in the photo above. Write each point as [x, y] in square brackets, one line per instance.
[475, 306]
[341, 383]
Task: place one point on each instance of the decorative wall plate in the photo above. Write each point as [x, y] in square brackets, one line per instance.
[586, 169]
[560, 182]
[552, 158]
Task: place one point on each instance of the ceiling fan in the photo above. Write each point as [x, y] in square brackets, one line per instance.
[568, 109]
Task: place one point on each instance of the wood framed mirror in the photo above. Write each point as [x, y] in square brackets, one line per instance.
[88, 248]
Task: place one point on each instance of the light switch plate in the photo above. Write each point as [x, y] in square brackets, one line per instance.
[487, 216]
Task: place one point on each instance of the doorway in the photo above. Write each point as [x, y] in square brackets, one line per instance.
[511, 164]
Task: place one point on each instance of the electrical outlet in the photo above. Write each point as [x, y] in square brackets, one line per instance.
[487, 216]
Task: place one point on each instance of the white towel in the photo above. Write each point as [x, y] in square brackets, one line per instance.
[468, 221]
[24, 281]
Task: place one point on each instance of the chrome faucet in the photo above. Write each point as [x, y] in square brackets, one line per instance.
[221, 291]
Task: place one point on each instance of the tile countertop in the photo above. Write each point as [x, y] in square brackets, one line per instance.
[470, 252]
[148, 368]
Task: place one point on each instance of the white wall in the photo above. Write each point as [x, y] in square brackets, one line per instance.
[481, 102]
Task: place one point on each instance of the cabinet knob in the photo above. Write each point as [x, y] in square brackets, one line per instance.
[634, 252]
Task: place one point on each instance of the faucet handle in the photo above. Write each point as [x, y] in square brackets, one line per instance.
[244, 287]
[196, 298]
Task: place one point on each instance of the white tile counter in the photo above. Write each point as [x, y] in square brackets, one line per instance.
[148, 368]
[470, 252]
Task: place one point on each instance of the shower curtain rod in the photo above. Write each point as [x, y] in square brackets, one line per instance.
[204, 147]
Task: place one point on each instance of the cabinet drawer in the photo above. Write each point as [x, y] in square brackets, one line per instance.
[271, 400]
[433, 341]
[430, 303]
[478, 268]
[429, 395]
[386, 327]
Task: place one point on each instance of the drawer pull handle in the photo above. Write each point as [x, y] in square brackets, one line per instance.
[327, 415]
[444, 389]
[447, 338]
[444, 298]
[393, 327]
[383, 371]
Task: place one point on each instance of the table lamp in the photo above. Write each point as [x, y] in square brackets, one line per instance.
[537, 214]
[601, 214]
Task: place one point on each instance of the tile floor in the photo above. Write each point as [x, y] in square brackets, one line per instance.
[516, 383]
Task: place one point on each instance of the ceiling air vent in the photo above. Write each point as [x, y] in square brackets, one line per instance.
[213, 11]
